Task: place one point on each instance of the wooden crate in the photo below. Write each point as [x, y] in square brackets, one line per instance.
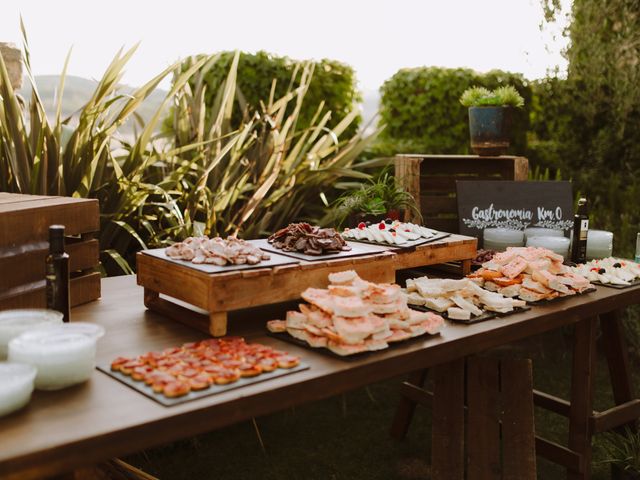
[24, 235]
[431, 179]
[220, 293]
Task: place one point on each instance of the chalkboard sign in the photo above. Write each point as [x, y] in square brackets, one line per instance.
[516, 205]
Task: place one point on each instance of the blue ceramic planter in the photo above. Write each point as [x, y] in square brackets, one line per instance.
[489, 129]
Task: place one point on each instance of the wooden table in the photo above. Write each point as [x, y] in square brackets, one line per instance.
[101, 419]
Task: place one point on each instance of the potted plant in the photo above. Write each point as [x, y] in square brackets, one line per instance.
[623, 454]
[375, 201]
[490, 114]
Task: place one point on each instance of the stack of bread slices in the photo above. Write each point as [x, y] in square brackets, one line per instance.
[353, 316]
[461, 299]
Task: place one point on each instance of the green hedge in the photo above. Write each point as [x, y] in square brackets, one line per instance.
[333, 82]
[422, 112]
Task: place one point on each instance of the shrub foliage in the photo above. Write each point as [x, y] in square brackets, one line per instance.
[587, 124]
[421, 111]
[333, 84]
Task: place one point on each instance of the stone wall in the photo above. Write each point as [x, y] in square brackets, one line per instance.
[13, 59]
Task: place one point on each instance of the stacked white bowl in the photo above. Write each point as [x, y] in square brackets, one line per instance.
[15, 322]
[64, 355]
[500, 238]
[599, 244]
[17, 384]
[542, 232]
[559, 245]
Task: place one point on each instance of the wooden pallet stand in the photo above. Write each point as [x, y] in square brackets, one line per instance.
[24, 235]
[431, 179]
[218, 294]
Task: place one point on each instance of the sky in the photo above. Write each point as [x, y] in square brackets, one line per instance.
[376, 37]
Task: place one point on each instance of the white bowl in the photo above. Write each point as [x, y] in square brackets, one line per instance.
[559, 245]
[599, 244]
[16, 322]
[542, 232]
[64, 354]
[16, 381]
[500, 238]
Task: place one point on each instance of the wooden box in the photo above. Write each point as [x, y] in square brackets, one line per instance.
[24, 244]
[431, 179]
[219, 293]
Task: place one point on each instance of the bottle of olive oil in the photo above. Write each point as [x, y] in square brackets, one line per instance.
[580, 231]
[57, 272]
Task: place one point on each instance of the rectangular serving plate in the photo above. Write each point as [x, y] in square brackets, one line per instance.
[619, 287]
[410, 245]
[285, 337]
[357, 250]
[563, 297]
[481, 318]
[485, 316]
[147, 391]
[275, 260]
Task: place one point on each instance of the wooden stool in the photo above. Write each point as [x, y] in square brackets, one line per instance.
[500, 425]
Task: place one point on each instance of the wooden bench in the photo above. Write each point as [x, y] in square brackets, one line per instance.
[431, 179]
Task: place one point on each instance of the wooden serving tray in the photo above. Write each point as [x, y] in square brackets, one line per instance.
[453, 248]
[219, 293]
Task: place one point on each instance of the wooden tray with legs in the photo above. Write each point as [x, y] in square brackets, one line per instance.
[219, 293]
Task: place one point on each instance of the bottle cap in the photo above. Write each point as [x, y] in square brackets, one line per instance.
[56, 238]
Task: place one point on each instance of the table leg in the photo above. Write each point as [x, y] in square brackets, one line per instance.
[582, 384]
[218, 324]
[615, 350]
[150, 297]
[447, 433]
[407, 407]
[466, 267]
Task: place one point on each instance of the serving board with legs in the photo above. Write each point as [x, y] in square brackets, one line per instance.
[216, 294]
[219, 293]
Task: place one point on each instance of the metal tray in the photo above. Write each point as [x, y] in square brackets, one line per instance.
[275, 260]
[410, 245]
[147, 391]
[357, 250]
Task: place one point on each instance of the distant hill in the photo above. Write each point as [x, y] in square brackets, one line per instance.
[78, 90]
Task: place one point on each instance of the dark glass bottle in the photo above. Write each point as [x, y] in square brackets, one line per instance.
[57, 272]
[580, 231]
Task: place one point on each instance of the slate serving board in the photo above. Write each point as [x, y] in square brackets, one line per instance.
[275, 260]
[285, 337]
[147, 391]
[410, 245]
[619, 287]
[357, 250]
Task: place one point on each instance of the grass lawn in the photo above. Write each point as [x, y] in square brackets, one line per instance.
[347, 437]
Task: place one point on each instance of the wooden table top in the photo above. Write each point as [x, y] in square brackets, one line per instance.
[101, 419]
